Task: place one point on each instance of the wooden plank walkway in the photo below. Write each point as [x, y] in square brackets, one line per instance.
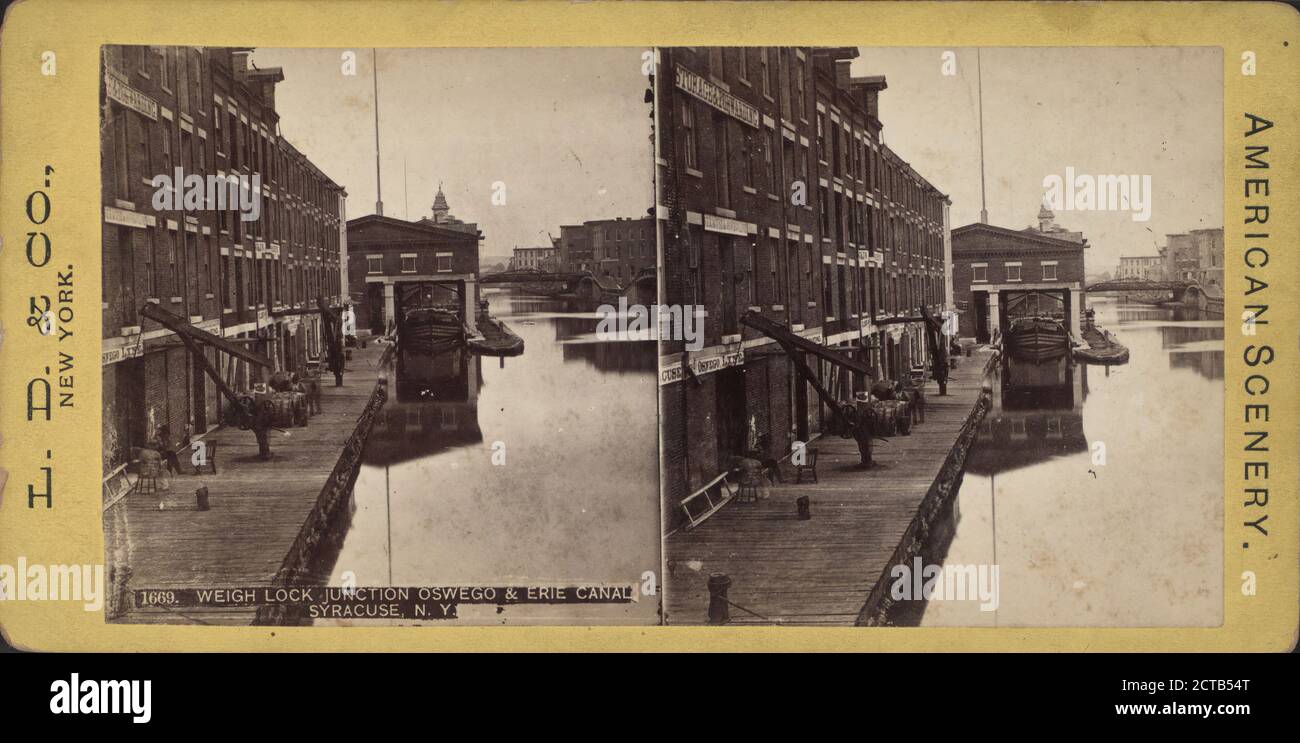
[257, 508]
[820, 571]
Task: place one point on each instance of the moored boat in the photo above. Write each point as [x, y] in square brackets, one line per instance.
[430, 330]
[1036, 339]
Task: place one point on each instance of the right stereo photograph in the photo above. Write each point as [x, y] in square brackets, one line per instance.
[941, 335]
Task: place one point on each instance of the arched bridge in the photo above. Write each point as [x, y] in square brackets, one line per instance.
[570, 280]
[1189, 293]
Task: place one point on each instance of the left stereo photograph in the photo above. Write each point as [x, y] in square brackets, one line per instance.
[367, 357]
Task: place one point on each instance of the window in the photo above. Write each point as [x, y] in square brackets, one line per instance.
[408, 264]
[164, 70]
[716, 63]
[764, 71]
[753, 271]
[798, 88]
[1013, 272]
[444, 263]
[751, 171]
[121, 157]
[979, 272]
[1049, 271]
[742, 55]
[182, 82]
[689, 136]
[374, 264]
[770, 154]
[722, 155]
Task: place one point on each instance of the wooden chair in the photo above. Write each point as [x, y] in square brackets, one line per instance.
[149, 467]
[809, 466]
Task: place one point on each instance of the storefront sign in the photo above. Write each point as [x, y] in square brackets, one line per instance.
[129, 347]
[127, 218]
[726, 226]
[701, 365]
[118, 90]
[716, 97]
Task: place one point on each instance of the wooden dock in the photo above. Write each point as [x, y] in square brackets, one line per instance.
[823, 571]
[264, 517]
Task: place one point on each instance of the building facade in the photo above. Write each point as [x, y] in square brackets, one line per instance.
[994, 267]
[237, 273]
[535, 259]
[574, 246]
[777, 196]
[621, 248]
[440, 253]
[1146, 267]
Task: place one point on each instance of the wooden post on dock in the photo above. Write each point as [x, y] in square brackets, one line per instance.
[719, 613]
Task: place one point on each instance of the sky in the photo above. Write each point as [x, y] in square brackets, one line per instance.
[566, 132]
[1137, 110]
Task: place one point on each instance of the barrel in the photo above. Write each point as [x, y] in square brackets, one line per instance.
[287, 408]
[282, 381]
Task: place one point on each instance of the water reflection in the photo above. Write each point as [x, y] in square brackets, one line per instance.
[573, 497]
[1098, 490]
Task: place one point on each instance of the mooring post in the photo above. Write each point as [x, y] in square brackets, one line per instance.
[718, 609]
[805, 507]
[201, 495]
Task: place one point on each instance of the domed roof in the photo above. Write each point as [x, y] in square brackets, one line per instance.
[440, 201]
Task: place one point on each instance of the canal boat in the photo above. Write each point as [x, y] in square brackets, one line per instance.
[430, 330]
[1036, 339]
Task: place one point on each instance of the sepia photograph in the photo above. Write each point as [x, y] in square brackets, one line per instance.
[960, 359]
[357, 359]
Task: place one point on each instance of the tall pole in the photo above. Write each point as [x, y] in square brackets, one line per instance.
[979, 76]
[379, 186]
[406, 202]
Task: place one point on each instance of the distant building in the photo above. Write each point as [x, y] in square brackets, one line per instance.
[621, 248]
[1195, 256]
[1208, 246]
[386, 253]
[575, 249]
[534, 259]
[994, 266]
[1148, 267]
[617, 248]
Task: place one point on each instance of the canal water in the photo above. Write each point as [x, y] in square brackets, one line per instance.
[1134, 539]
[576, 501]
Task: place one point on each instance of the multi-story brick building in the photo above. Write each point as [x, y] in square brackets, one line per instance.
[574, 249]
[621, 248]
[1147, 267]
[993, 266]
[541, 258]
[440, 253]
[207, 112]
[777, 195]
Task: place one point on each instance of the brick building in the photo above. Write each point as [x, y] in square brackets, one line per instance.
[1148, 267]
[542, 258]
[207, 112]
[777, 195]
[621, 248]
[574, 249]
[993, 265]
[384, 253]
